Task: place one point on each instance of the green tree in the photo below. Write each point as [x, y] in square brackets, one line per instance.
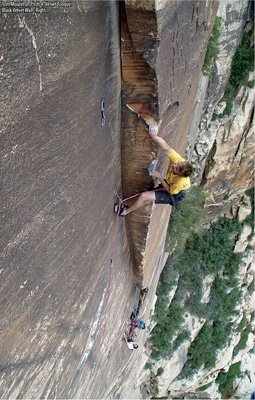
[242, 63]
[186, 217]
[226, 380]
[212, 47]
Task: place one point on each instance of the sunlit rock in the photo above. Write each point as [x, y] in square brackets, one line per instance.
[242, 242]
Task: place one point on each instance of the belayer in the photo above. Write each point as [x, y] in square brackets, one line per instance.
[173, 188]
[130, 341]
[139, 323]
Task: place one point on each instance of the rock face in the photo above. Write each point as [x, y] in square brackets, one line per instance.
[59, 168]
[66, 272]
[230, 166]
[162, 49]
[170, 383]
[224, 159]
[233, 15]
[224, 147]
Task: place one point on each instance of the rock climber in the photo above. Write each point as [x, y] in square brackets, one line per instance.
[130, 341]
[175, 185]
[138, 323]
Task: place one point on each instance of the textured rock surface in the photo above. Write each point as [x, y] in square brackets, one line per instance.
[59, 168]
[230, 166]
[225, 153]
[245, 208]
[224, 148]
[233, 15]
[161, 63]
[169, 383]
[64, 304]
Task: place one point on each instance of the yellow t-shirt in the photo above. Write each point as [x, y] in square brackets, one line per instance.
[176, 182]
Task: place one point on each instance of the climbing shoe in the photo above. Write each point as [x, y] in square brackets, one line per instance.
[119, 208]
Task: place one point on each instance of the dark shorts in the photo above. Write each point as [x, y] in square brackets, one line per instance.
[163, 197]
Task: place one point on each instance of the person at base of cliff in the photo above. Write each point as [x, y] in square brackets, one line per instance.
[172, 189]
[130, 342]
[138, 323]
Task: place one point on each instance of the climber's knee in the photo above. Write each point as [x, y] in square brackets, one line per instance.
[148, 196]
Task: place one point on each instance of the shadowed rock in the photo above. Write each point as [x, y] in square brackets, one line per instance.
[162, 52]
[66, 277]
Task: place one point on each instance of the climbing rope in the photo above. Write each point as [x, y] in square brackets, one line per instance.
[111, 265]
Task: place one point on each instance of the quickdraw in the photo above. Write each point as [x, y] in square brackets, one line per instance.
[102, 106]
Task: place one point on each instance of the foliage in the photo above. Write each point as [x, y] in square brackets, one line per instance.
[212, 47]
[168, 279]
[148, 366]
[243, 340]
[225, 380]
[167, 324]
[187, 216]
[242, 63]
[229, 96]
[222, 302]
[207, 252]
[160, 371]
[182, 336]
[250, 84]
[201, 351]
[242, 324]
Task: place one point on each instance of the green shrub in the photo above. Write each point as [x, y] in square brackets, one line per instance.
[160, 371]
[201, 351]
[242, 63]
[229, 96]
[167, 324]
[187, 216]
[155, 355]
[243, 340]
[215, 116]
[182, 337]
[242, 324]
[169, 279]
[207, 252]
[212, 47]
[225, 380]
[222, 302]
[148, 366]
[250, 84]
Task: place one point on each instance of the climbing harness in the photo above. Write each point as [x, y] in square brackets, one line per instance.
[135, 313]
[113, 254]
[133, 319]
[135, 322]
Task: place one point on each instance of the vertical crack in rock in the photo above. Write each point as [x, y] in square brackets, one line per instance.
[240, 146]
[161, 63]
[243, 140]
[23, 24]
[138, 54]
[210, 163]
